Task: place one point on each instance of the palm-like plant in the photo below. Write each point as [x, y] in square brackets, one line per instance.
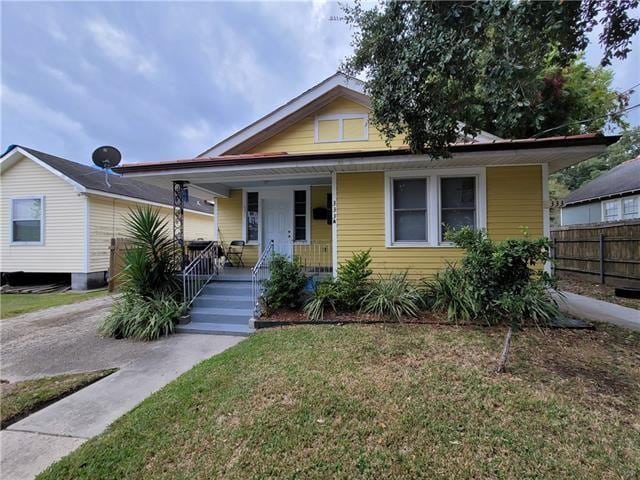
[150, 262]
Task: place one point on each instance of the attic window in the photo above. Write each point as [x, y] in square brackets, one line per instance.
[344, 127]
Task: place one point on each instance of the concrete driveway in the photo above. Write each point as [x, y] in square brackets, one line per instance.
[64, 339]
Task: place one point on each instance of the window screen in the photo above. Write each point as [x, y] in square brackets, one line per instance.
[410, 210]
[457, 203]
[27, 219]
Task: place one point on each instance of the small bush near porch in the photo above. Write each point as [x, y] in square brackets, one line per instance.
[386, 401]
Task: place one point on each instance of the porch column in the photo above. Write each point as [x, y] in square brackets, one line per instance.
[180, 194]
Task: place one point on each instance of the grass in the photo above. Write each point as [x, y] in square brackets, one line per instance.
[386, 401]
[598, 291]
[23, 398]
[12, 304]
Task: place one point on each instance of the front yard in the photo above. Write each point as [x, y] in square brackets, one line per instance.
[387, 401]
[12, 304]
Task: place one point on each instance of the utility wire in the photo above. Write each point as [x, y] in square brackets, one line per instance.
[586, 120]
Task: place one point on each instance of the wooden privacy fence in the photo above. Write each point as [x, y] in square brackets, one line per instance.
[607, 253]
[116, 261]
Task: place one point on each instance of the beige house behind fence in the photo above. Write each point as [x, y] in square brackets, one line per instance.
[58, 216]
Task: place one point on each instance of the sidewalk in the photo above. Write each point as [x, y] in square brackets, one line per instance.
[32, 444]
[589, 308]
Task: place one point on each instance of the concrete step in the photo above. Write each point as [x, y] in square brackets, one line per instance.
[227, 288]
[221, 315]
[223, 301]
[234, 277]
[215, 329]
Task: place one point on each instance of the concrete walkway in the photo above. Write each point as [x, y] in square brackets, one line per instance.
[34, 443]
[589, 308]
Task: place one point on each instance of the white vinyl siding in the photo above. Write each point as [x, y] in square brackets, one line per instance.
[61, 248]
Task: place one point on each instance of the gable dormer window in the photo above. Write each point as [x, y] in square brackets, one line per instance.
[342, 127]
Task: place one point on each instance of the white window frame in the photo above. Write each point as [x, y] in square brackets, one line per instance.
[341, 117]
[433, 202]
[411, 243]
[11, 219]
[637, 200]
[244, 215]
[441, 240]
[603, 210]
[307, 240]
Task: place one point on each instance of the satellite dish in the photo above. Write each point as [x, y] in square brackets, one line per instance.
[106, 157]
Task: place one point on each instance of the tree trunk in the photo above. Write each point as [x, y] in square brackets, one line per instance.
[502, 363]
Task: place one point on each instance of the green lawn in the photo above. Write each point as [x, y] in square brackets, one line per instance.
[12, 304]
[22, 398]
[386, 402]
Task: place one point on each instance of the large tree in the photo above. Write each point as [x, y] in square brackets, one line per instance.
[510, 67]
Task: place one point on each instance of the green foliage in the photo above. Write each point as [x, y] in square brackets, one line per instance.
[150, 288]
[511, 68]
[392, 297]
[346, 292]
[284, 287]
[142, 318]
[496, 282]
[449, 292]
[150, 267]
[352, 281]
[325, 295]
[627, 148]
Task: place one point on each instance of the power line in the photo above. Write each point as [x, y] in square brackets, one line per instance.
[630, 88]
[586, 120]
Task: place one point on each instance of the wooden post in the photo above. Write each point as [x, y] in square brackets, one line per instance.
[601, 259]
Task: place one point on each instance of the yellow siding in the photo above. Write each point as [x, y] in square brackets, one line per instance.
[300, 138]
[514, 199]
[107, 220]
[230, 222]
[63, 248]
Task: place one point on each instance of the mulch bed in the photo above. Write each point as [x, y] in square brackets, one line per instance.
[285, 317]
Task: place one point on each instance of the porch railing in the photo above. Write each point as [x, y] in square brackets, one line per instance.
[199, 272]
[316, 256]
[259, 274]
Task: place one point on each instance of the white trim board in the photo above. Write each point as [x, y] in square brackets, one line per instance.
[433, 177]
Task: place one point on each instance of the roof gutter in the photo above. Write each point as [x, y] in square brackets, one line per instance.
[245, 160]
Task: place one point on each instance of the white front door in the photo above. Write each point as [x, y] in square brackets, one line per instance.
[277, 219]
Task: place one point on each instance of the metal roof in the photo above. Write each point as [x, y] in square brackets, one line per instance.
[617, 181]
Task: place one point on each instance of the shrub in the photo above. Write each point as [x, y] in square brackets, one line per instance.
[285, 285]
[133, 316]
[325, 295]
[149, 304]
[450, 292]
[392, 297]
[352, 282]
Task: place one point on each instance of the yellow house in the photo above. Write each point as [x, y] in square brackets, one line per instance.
[315, 179]
[58, 216]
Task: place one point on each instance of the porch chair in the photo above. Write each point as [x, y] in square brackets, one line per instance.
[235, 250]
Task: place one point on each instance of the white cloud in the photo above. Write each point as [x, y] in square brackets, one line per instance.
[120, 47]
[65, 80]
[198, 131]
[31, 108]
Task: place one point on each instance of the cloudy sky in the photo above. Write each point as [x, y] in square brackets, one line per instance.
[167, 80]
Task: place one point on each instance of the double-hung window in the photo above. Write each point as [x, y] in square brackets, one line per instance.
[410, 216]
[300, 215]
[630, 207]
[611, 210]
[457, 203]
[27, 220]
[252, 217]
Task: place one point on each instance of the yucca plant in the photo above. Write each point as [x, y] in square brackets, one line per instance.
[150, 262]
[149, 304]
[393, 297]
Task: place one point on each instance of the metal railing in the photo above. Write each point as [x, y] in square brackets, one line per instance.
[259, 274]
[198, 273]
[316, 257]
